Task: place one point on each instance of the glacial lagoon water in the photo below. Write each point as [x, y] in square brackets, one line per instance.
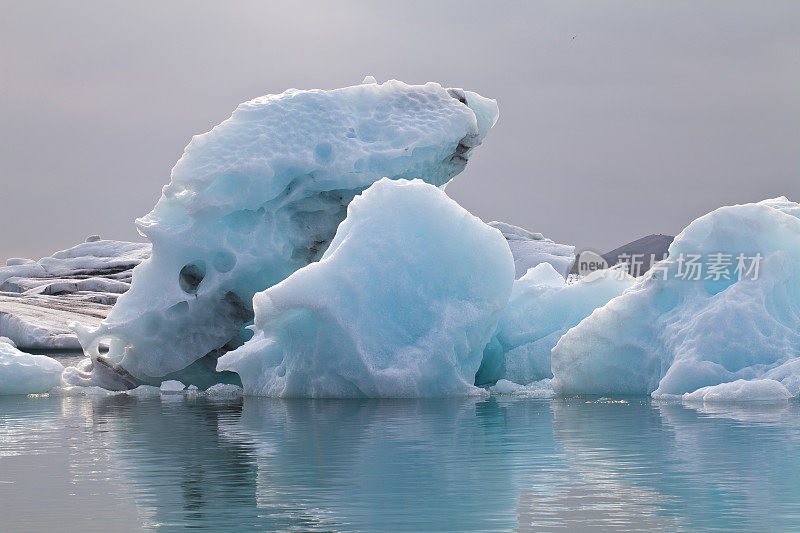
[174, 462]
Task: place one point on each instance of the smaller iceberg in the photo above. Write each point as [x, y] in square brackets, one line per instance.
[530, 249]
[537, 389]
[401, 304]
[172, 385]
[723, 307]
[757, 390]
[24, 373]
[542, 307]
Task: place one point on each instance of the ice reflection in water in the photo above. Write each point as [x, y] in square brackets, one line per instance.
[449, 465]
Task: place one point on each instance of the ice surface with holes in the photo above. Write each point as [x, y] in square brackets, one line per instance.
[258, 197]
[24, 373]
[674, 333]
[401, 304]
[542, 307]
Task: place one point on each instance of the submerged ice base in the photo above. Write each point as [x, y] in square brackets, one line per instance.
[400, 305]
[258, 197]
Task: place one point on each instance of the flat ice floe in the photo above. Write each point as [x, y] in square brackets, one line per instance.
[400, 305]
[40, 299]
[258, 197]
[676, 332]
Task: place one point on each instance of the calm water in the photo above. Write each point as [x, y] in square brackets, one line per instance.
[118, 464]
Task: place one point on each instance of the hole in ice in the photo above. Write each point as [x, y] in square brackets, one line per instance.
[237, 309]
[102, 347]
[459, 95]
[178, 309]
[191, 275]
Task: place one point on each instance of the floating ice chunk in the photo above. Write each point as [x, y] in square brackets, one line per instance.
[541, 309]
[672, 334]
[24, 373]
[400, 305]
[757, 390]
[145, 391]
[537, 389]
[260, 196]
[224, 390]
[172, 385]
[531, 249]
[76, 390]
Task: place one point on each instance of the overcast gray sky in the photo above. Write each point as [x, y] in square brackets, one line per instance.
[655, 113]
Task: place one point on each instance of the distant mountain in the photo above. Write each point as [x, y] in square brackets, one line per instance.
[640, 252]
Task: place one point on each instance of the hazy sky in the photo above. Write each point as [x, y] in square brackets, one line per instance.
[654, 114]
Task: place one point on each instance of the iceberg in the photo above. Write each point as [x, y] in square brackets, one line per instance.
[224, 391]
[255, 199]
[97, 263]
[542, 307]
[24, 373]
[40, 299]
[724, 306]
[172, 385]
[757, 390]
[531, 249]
[401, 304]
[536, 389]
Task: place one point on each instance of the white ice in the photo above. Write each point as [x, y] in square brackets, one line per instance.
[757, 390]
[671, 334]
[86, 259]
[542, 307]
[224, 390]
[537, 389]
[531, 249]
[400, 305]
[171, 385]
[24, 373]
[258, 197]
[40, 299]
